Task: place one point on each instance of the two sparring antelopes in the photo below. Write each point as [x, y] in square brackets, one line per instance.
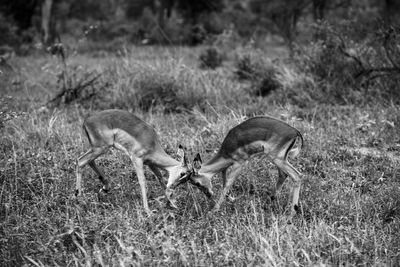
[126, 132]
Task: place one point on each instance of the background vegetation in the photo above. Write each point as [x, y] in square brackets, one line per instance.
[329, 68]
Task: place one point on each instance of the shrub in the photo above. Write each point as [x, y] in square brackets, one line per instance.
[211, 58]
[245, 68]
[325, 60]
[159, 90]
[76, 85]
[163, 86]
[212, 23]
[296, 88]
[354, 71]
[9, 32]
[268, 83]
[252, 65]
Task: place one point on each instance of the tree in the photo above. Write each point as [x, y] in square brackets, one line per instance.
[284, 14]
[319, 7]
[47, 21]
[21, 11]
[191, 10]
[164, 9]
[392, 12]
[134, 8]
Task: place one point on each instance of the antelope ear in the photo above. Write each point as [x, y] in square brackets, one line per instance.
[182, 158]
[197, 162]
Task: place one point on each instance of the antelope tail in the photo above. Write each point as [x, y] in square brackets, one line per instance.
[296, 150]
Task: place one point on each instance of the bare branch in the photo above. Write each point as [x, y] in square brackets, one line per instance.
[387, 50]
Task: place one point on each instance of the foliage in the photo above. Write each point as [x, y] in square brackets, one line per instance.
[191, 10]
[164, 87]
[90, 9]
[9, 32]
[74, 83]
[18, 12]
[244, 22]
[351, 68]
[210, 58]
[252, 65]
[135, 9]
[186, 22]
[284, 14]
[157, 90]
[298, 88]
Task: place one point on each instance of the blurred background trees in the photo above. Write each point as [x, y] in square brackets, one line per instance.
[25, 22]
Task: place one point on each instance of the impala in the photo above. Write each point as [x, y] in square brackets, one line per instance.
[255, 136]
[126, 132]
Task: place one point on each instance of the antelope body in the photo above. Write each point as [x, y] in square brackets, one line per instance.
[255, 136]
[124, 131]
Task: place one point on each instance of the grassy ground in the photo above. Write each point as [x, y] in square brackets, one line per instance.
[350, 205]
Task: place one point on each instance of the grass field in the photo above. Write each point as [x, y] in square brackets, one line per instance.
[350, 197]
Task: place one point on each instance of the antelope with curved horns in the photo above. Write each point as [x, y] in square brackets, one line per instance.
[255, 136]
[126, 132]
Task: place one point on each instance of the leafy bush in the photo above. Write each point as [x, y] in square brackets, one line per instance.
[159, 90]
[164, 87]
[9, 32]
[213, 23]
[325, 59]
[211, 58]
[268, 83]
[354, 72]
[76, 85]
[296, 88]
[252, 65]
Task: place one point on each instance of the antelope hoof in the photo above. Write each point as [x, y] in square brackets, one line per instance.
[104, 190]
[296, 209]
[214, 207]
[172, 204]
[78, 193]
[213, 211]
[150, 213]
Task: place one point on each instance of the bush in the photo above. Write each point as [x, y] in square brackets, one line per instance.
[267, 84]
[163, 86]
[212, 23]
[251, 64]
[159, 90]
[325, 60]
[297, 88]
[351, 71]
[9, 32]
[211, 58]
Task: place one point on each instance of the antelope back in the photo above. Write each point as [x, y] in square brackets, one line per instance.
[108, 126]
[257, 135]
